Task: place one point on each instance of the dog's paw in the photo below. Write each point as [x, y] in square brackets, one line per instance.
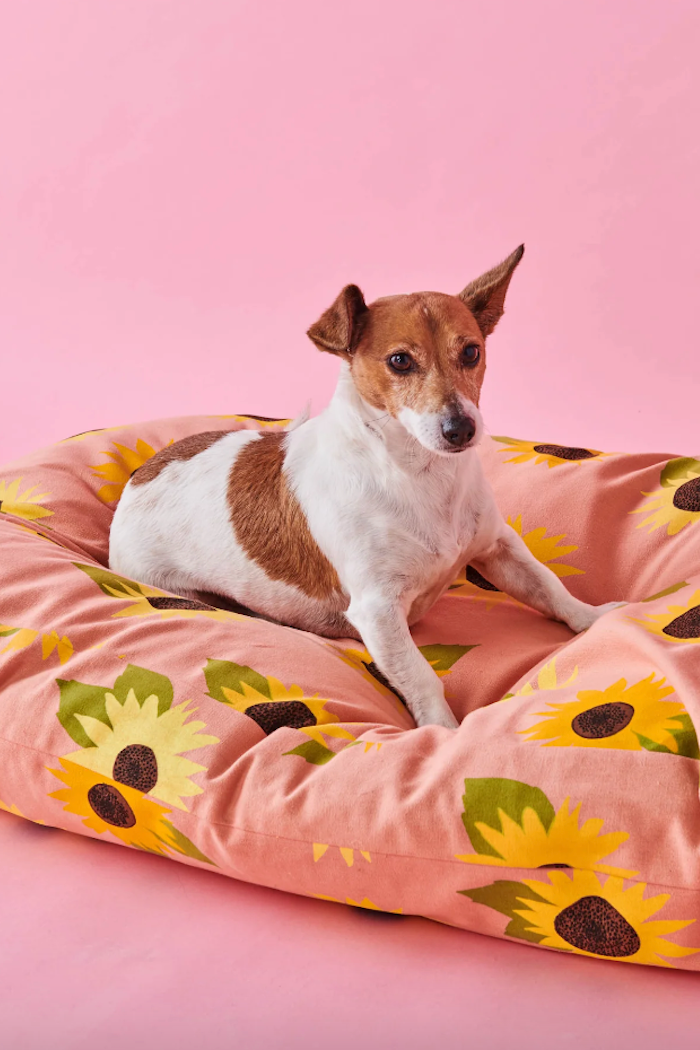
[586, 615]
[437, 716]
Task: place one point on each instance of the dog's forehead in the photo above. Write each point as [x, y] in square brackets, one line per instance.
[419, 314]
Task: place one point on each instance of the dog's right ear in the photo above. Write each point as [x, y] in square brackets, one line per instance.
[338, 329]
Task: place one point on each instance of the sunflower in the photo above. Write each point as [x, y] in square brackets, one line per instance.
[552, 455]
[677, 503]
[121, 466]
[361, 660]
[262, 421]
[88, 433]
[677, 623]
[626, 718]
[41, 535]
[470, 582]
[63, 646]
[546, 680]
[25, 504]
[142, 749]
[563, 844]
[602, 920]
[365, 903]
[440, 657]
[149, 600]
[20, 637]
[546, 548]
[283, 707]
[108, 805]
[11, 809]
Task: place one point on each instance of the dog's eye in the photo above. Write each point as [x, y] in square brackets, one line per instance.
[470, 354]
[401, 362]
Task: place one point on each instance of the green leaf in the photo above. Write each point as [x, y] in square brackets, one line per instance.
[222, 674]
[80, 699]
[653, 745]
[503, 896]
[7, 631]
[105, 580]
[669, 590]
[685, 737]
[443, 657]
[183, 845]
[144, 683]
[678, 469]
[484, 796]
[314, 752]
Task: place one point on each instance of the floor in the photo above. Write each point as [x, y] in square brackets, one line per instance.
[105, 947]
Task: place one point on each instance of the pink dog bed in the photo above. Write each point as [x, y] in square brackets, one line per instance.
[563, 812]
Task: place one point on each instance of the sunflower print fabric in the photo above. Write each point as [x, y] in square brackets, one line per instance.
[563, 812]
[676, 504]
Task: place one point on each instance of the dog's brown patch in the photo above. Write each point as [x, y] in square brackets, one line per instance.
[432, 328]
[188, 448]
[269, 523]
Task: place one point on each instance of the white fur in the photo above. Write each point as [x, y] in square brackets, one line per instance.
[426, 427]
[397, 521]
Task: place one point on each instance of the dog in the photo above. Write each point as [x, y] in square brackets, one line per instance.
[355, 522]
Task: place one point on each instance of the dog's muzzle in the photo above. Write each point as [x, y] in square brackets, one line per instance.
[458, 431]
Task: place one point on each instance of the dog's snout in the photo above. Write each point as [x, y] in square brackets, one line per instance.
[458, 430]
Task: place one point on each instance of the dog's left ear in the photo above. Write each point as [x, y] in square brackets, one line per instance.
[339, 328]
[485, 296]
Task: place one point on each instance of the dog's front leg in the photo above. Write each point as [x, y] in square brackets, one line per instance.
[510, 566]
[384, 630]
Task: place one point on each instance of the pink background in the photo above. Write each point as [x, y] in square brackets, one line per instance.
[184, 187]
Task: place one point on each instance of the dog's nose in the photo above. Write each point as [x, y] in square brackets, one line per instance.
[458, 430]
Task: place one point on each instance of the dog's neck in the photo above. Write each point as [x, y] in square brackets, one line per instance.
[383, 436]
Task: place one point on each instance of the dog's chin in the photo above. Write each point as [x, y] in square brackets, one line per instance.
[448, 450]
[440, 447]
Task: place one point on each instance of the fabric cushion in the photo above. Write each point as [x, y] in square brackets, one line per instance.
[563, 812]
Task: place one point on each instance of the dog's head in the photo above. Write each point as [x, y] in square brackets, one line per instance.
[421, 357]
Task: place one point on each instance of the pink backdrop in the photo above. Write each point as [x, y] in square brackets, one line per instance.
[184, 187]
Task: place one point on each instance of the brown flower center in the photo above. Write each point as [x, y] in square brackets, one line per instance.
[261, 419]
[603, 720]
[111, 806]
[687, 625]
[278, 713]
[562, 452]
[136, 766]
[382, 678]
[475, 577]
[593, 925]
[687, 496]
[166, 602]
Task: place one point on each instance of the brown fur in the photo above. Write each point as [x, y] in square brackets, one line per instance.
[269, 523]
[485, 296]
[432, 327]
[340, 326]
[181, 450]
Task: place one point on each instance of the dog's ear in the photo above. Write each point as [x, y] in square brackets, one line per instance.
[339, 328]
[485, 296]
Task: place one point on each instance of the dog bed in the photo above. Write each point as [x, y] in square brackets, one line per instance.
[563, 812]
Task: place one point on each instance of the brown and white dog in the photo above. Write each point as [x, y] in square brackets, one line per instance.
[353, 523]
